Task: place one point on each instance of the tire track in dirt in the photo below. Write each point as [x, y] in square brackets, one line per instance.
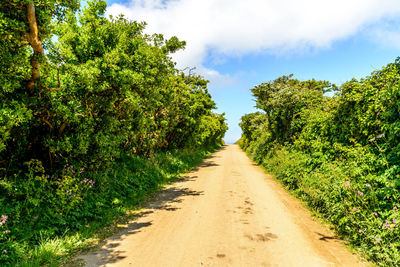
[227, 212]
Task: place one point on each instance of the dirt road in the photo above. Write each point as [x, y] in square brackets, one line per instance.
[228, 212]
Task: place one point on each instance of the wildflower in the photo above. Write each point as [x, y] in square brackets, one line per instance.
[355, 209]
[4, 219]
[368, 185]
[36, 217]
[377, 240]
[376, 214]
[394, 208]
[347, 184]
[394, 220]
[5, 251]
[360, 230]
[387, 225]
[360, 193]
[6, 231]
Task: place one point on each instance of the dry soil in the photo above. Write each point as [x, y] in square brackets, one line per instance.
[227, 212]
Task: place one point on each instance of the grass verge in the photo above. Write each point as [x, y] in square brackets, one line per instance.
[347, 202]
[119, 193]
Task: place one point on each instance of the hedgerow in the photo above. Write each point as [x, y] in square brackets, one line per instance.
[337, 153]
[80, 93]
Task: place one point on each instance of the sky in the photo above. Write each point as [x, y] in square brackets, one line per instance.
[239, 44]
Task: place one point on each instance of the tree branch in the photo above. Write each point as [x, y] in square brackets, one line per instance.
[59, 83]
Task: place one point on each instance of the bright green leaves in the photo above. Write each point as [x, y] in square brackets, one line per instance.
[173, 44]
[85, 89]
[105, 87]
[284, 100]
[93, 13]
[340, 154]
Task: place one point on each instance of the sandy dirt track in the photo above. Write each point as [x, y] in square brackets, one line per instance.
[227, 212]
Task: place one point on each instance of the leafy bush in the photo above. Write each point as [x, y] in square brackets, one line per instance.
[68, 210]
[87, 102]
[338, 153]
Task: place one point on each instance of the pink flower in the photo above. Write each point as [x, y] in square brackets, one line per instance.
[347, 184]
[6, 231]
[394, 220]
[4, 219]
[36, 217]
[355, 209]
[360, 231]
[377, 240]
[368, 185]
[5, 251]
[376, 214]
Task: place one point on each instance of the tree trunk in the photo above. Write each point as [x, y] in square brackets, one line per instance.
[33, 39]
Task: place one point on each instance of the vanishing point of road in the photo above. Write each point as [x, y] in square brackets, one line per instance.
[227, 212]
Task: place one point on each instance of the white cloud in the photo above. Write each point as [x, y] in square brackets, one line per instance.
[238, 27]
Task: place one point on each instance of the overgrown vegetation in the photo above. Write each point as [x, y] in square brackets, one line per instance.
[87, 103]
[339, 154]
[93, 201]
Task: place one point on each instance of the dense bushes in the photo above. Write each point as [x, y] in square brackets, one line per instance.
[51, 217]
[339, 154]
[104, 87]
[80, 92]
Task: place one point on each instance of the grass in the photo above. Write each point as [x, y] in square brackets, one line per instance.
[122, 191]
[349, 214]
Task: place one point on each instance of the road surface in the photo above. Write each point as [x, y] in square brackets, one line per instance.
[227, 212]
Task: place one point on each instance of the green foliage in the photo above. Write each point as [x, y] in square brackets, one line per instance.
[59, 216]
[284, 99]
[82, 94]
[338, 153]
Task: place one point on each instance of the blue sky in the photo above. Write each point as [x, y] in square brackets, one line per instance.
[238, 44]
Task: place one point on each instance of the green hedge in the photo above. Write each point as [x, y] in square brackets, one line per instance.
[50, 218]
[339, 154]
